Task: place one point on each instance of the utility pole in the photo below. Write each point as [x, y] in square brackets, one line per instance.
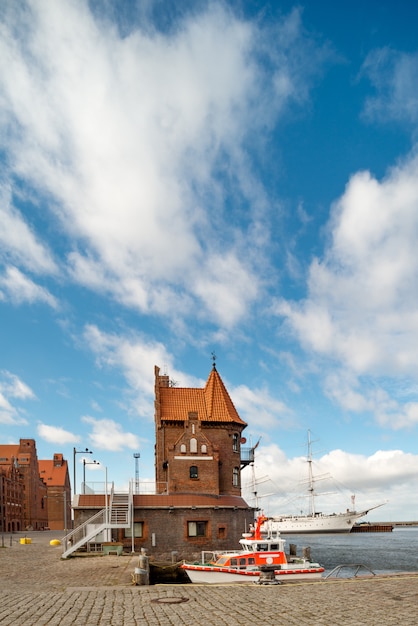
[136, 457]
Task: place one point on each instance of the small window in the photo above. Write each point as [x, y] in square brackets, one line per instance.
[193, 445]
[204, 448]
[194, 474]
[183, 448]
[196, 529]
[235, 477]
[138, 530]
[235, 440]
[221, 532]
[242, 563]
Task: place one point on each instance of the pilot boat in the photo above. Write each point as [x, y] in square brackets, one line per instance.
[261, 559]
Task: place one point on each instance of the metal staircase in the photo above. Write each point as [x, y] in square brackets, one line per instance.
[117, 515]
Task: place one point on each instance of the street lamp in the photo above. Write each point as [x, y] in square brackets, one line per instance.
[84, 471]
[107, 520]
[86, 451]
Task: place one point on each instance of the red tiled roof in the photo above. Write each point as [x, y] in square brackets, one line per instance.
[53, 475]
[212, 403]
[163, 501]
[7, 452]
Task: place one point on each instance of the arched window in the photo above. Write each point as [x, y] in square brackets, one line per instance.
[235, 477]
[183, 448]
[203, 448]
[193, 444]
[194, 474]
[235, 441]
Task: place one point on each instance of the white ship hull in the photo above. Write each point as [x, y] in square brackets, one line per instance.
[216, 576]
[319, 523]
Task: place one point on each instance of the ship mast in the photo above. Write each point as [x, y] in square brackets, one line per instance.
[311, 488]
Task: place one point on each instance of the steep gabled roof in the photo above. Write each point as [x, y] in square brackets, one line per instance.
[8, 451]
[212, 404]
[53, 475]
[219, 405]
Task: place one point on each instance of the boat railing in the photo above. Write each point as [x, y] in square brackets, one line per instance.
[349, 571]
[208, 556]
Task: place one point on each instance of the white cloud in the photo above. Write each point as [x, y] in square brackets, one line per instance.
[135, 357]
[395, 77]
[107, 434]
[56, 434]
[259, 409]
[386, 475]
[126, 137]
[18, 242]
[20, 289]
[12, 387]
[362, 303]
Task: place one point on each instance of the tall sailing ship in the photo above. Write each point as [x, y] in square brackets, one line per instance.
[314, 521]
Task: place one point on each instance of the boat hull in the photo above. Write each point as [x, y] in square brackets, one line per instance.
[298, 524]
[216, 575]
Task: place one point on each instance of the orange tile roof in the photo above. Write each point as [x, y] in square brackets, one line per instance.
[163, 500]
[7, 452]
[53, 475]
[213, 403]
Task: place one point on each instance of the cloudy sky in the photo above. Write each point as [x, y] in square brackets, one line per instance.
[239, 178]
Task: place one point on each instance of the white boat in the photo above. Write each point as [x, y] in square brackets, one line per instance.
[316, 522]
[262, 559]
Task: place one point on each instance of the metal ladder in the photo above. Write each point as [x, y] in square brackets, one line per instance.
[118, 515]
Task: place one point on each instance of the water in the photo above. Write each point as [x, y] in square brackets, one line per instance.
[383, 553]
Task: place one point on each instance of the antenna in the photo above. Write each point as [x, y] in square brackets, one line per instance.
[136, 457]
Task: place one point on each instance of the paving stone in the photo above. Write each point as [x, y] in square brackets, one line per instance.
[37, 587]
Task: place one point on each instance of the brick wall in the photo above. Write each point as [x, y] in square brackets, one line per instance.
[166, 531]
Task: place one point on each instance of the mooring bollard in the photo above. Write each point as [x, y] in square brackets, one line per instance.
[142, 572]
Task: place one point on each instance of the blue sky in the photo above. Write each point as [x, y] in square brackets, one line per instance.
[241, 178]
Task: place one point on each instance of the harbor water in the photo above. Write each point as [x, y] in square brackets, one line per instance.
[383, 553]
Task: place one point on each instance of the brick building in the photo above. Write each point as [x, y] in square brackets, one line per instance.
[32, 492]
[23, 457]
[11, 495]
[198, 438]
[55, 475]
[197, 505]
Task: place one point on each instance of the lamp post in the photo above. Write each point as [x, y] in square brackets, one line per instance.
[84, 471]
[86, 451]
[106, 502]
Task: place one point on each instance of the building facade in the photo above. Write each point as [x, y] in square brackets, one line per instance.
[11, 497]
[198, 436]
[198, 504]
[54, 474]
[30, 489]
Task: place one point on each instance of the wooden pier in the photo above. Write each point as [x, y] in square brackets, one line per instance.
[372, 528]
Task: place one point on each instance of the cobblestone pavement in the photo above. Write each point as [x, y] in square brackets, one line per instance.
[38, 587]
